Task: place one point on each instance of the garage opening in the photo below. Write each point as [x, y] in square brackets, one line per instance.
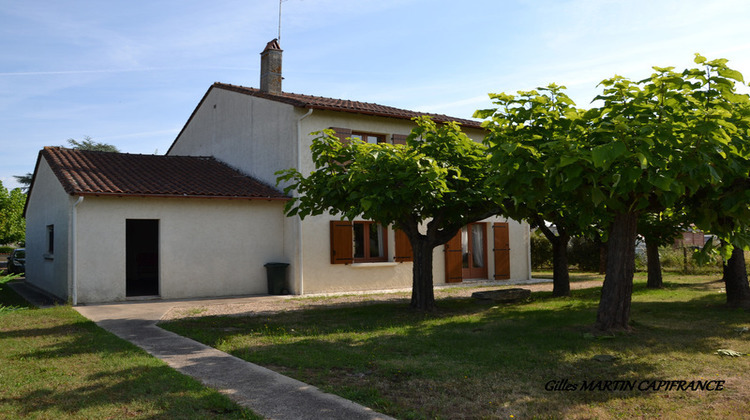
[142, 257]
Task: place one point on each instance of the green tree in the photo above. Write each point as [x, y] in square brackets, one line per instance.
[428, 188]
[524, 131]
[12, 223]
[654, 143]
[659, 229]
[649, 145]
[86, 144]
[735, 280]
[724, 212]
[720, 207]
[89, 144]
[24, 180]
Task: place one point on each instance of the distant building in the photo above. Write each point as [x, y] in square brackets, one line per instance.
[692, 238]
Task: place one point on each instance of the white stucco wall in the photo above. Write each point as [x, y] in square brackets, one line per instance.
[320, 276]
[259, 137]
[253, 135]
[320, 120]
[207, 247]
[48, 205]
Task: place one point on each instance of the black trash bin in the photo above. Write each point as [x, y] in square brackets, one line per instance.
[277, 283]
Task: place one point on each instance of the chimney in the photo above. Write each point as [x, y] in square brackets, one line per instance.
[270, 68]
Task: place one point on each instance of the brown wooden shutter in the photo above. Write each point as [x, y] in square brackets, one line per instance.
[403, 250]
[341, 242]
[501, 250]
[453, 260]
[343, 134]
[399, 138]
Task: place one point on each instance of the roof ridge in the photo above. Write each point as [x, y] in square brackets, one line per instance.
[76, 150]
[91, 172]
[344, 105]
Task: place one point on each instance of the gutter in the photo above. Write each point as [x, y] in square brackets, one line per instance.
[73, 246]
[208, 197]
[300, 248]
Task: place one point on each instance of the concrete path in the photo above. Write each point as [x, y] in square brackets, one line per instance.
[267, 393]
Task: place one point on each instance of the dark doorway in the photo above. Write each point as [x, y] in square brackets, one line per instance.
[141, 257]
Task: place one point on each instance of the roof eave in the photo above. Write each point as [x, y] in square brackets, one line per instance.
[146, 195]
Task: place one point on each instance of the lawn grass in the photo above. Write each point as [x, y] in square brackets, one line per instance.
[54, 363]
[473, 360]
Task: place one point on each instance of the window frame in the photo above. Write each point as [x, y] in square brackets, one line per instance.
[343, 240]
[50, 238]
[363, 135]
[366, 242]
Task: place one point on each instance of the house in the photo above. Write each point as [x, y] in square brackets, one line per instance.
[691, 238]
[204, 219]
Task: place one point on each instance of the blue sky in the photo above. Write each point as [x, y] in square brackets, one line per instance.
[129, 73]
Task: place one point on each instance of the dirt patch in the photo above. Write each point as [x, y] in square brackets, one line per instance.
[264, 305]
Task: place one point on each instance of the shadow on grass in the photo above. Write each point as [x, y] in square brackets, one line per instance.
[378, 354]
[145, 392]
[55, 364]
[9, 299]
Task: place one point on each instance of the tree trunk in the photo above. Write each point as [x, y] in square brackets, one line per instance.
[602, 258]
[614, 306]
[735, 279]
[422, 293]
[560, 273]
[654, 265]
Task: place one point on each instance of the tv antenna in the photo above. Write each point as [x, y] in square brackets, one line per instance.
[279, 35]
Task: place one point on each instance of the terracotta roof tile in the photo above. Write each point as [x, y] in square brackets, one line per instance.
[343, 105]
[105, 173]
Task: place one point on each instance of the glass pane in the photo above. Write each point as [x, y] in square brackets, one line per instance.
[477, 245]
[372, 139]
[376, 241]
[465, 246]
[359, 240]
[356, 137]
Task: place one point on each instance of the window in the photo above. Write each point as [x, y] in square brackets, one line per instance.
[466, 254]
[358, 241]
[346, 133]
[368, 138]
[369, 242]
[50, 239]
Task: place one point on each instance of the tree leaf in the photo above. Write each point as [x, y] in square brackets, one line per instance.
[731, 74]
[597, 196]
[604, 155]
[567, 160]
[661, 182]
[729, 352]
[642, 159]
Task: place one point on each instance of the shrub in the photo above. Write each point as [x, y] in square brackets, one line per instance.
[541, 251]
[584, 254]
[681, 260]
